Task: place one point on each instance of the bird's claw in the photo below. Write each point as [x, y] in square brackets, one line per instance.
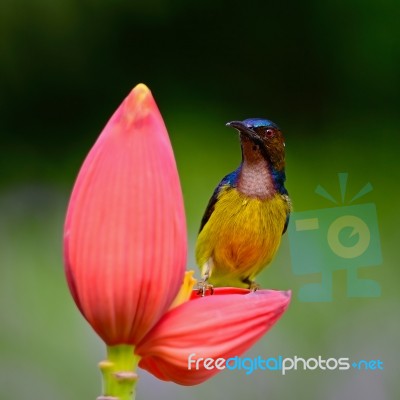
[202, 288]
[254, 286]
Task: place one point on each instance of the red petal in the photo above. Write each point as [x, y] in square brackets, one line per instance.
[125, 232]
[196, 294]
[213, 326]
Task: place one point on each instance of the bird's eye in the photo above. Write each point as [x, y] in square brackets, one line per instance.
[269, 132]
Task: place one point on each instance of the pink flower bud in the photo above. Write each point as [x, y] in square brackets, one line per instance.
[125, 234]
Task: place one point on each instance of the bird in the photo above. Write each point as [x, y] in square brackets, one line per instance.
[248, 212]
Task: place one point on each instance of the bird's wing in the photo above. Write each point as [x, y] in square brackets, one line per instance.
[286, 222]
[228, 180]
[289, 203]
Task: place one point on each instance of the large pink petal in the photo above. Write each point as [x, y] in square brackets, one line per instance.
[125, 232]
[214, 326]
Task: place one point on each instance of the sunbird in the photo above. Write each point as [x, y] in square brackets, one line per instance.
[248, 212]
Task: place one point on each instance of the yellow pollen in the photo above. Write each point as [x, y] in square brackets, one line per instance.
[185, 291]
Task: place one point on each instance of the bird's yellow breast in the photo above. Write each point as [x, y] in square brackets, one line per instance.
[241, 236]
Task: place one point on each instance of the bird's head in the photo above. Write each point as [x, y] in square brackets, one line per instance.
[261, 138]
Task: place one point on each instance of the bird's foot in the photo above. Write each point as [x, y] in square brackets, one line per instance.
[203, 287]
[253, 286]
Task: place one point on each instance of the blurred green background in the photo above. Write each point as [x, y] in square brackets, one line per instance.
[327, 72]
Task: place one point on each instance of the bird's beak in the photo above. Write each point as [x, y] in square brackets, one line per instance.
[242, 128]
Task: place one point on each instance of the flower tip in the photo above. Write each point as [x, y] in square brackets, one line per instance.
[279, 298]
[287, 294]
[138, 104]
[140, 92]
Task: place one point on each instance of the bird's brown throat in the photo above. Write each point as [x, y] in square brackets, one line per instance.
[255, 178]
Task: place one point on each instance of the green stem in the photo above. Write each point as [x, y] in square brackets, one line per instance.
[119, 376]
